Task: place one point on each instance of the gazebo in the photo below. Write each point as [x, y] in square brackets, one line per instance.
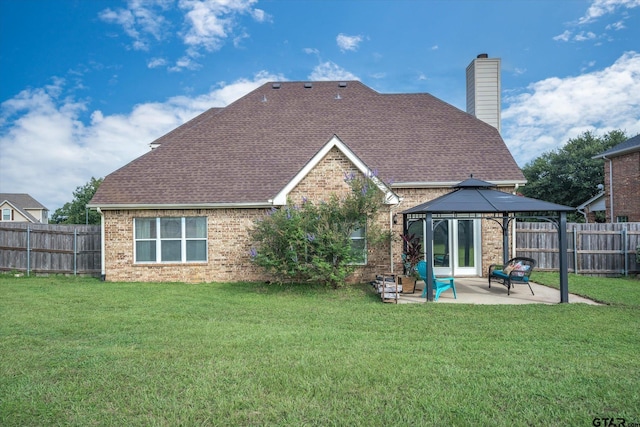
[481, 198]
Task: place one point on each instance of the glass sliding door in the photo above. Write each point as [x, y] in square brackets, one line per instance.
[456, 245]
[466, 243]
[441, 245]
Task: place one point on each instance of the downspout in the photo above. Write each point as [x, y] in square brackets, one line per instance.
[514, 249]
[391, 241]
[391, 224]
[584, 214]
[102, 245]
[610, 187]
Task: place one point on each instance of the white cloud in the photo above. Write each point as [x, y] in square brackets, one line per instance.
[597, 10]
[207, 24]
[140, 19]
[260, 15]
[580, 37]
[331, 71]
[600, 8]
[183, 63]
[583, 36]
[156, 62]
[48, 151]
[616, 26]
[554, 110]
[346, 42]
[210, 22]
[564, 36]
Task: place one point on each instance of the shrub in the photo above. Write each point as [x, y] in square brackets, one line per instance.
[312, 242]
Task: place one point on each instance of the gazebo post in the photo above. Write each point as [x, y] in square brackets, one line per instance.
[505, 238]
[428, 241]
[405, 232]
[562, 252]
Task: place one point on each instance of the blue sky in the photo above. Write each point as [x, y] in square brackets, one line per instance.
[85, 86]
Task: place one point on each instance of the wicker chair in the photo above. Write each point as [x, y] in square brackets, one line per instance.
[517, 270]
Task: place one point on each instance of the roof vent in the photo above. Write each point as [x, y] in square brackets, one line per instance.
[342, 84]
[308, 85]
[264, 98]
[337, 96]
[275, 86]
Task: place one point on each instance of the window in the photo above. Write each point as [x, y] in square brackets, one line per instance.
[359, 246]
[6, 214]
[170, 239]
[623, 218]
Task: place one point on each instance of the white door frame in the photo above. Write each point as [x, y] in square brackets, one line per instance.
[454, 268]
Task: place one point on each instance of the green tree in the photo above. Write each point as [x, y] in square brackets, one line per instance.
[312, 242]
[75, 212]
[569, 175]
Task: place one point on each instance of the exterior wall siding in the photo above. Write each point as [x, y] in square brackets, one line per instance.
[15, 214]
[229, 242]
[483, 90]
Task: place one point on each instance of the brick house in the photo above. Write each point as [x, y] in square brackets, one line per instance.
[183, 211]
[622, 181]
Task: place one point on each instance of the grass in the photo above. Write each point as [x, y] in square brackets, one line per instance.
[83, 352]
[617, 291]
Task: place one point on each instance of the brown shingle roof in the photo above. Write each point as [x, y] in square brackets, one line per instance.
[248, 151]
[21, 200]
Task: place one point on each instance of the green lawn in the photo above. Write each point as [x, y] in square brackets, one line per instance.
[84, 352]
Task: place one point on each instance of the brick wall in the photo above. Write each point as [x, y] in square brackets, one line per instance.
[626, 187]
[228, 234]
[228, 248]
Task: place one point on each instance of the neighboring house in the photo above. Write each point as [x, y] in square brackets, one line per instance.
[183, 211]
[20, 207]
[622, 181]
[593, 206]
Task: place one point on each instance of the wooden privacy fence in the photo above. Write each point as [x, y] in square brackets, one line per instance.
[50, 248]
[593, 249]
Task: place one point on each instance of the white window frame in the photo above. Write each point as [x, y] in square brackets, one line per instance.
[6, 212]
[158, 239]
[355, 237]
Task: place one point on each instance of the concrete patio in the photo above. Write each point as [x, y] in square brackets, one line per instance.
[475, 290]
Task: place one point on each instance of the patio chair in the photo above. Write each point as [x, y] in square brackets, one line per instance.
[440, 284]
[517, 270]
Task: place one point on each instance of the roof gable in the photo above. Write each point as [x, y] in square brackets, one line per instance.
[596, 203]
[281, 197]
[252, 150]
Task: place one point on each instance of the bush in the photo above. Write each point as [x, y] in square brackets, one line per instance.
[312, 242]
